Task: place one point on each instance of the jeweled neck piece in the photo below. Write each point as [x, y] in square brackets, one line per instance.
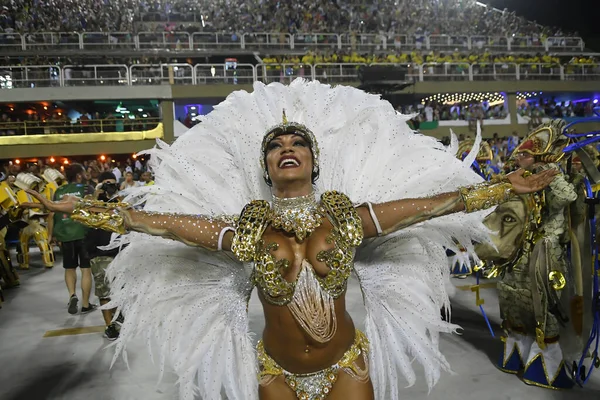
[298, 215]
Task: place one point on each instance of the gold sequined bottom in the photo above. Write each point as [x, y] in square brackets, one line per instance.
[317, 385]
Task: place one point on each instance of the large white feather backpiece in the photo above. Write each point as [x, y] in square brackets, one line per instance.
[189, 304]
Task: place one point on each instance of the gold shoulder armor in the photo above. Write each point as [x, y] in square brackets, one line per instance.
[344, 217]
[250, 227]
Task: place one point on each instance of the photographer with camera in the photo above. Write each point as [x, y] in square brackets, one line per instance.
[100, 259]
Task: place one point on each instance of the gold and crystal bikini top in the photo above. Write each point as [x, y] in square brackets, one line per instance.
[248, 246]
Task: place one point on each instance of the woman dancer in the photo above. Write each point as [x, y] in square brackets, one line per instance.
[302, 250]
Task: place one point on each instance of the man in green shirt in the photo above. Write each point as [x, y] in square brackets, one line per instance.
[71, 236]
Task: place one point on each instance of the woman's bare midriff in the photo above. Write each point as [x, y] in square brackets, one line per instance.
[287, 343]
[284, 339]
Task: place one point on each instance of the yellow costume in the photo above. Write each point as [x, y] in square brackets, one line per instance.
[8, 203]
[53, 179]
[35, 219]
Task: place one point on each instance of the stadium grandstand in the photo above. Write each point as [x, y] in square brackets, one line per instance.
[66, 43]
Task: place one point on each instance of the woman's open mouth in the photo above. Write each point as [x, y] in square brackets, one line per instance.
[289, 162]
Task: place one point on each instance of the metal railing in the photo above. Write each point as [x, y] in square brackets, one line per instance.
[65, 125]
[224, 74]
[112, 40]
[284, 73]
[95, 75]
[448, 42]
[541, 72]
[163, 40]
[269, 40]
[363, 42]
[233, 73]
[367, 42]
[581, 72]
[205, 40]
[495, 72]
[447, 72]
[162, 74]
[16, 77]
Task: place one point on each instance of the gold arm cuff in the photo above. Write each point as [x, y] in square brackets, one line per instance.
[108, 220]
[485, 195]
[501, 178]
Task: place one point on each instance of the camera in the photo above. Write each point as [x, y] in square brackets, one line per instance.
[109, 188]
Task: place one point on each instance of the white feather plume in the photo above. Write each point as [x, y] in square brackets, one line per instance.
[189, 304]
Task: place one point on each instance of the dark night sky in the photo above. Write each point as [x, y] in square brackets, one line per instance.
[573, 15]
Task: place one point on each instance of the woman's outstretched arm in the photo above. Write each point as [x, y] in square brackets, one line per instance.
[192, 230]
[385, 218]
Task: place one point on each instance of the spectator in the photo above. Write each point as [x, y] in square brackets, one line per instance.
[117, 172]
[71, 236]
[147, 179]
[100, 259]
[138, 165]
[416, 18]
[129, 182]
[428, 112]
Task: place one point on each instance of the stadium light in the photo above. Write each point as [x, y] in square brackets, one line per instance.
[102, 158]
[52, 159]
[17, 161]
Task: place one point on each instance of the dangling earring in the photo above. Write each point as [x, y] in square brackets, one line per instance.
[315, 174]
[267, 179]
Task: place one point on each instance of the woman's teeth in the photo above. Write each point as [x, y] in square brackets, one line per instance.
[290, 162]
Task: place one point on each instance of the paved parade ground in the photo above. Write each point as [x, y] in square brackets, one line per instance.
[45, 353]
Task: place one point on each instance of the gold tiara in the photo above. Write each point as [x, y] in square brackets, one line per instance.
[288, 128]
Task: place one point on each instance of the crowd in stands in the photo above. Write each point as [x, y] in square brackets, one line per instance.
[89, 60]
[474, 112]
[555, 109]
[34, 123]
[421, 57]
[471, 112]
[412, 17]
[133, 171]
[319, 57]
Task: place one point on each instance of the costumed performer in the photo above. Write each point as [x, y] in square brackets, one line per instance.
[536, 271]
[193, 300]
[36, 223]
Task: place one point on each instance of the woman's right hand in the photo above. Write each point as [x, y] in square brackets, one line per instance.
[66, 205]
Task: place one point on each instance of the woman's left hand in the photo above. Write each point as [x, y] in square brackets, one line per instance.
[533, 183]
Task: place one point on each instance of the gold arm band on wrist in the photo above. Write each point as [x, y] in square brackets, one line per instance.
[109, 220]
[485, 195]
[501, 178]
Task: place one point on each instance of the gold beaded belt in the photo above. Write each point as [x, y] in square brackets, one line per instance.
[317, 385]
